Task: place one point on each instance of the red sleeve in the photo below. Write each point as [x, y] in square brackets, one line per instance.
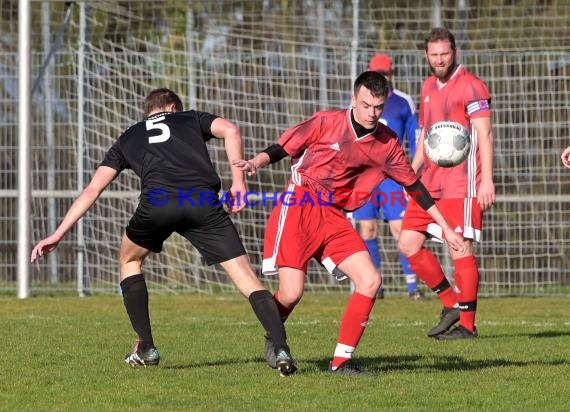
[297, 138]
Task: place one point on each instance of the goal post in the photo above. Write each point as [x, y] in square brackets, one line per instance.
[24, 134]
[267, 65]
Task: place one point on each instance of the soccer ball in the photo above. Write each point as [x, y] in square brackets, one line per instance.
[447, 143]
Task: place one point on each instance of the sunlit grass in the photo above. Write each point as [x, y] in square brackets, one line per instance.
[66, 354]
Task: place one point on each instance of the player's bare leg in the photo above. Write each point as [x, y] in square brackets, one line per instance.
[368, 229]
[411, 282]
[291, 287]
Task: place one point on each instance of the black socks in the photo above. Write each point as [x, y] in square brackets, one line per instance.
[265, 309]
[135, 297]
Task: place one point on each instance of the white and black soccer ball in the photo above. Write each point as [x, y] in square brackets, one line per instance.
[447, 143]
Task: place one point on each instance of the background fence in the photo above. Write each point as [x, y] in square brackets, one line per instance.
[267, 65]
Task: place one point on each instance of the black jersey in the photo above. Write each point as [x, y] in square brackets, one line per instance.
[168, 151]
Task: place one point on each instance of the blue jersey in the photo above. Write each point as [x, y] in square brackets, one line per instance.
[413, 133]
[400, 115]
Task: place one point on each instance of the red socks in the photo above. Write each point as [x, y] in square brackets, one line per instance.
[427, 268]
[352, 327]
[467, 282]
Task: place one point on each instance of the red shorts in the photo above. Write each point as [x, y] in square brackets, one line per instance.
[300, 228]
[464, 215]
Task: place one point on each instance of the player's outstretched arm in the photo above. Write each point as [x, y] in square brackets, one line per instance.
[250, 166]
[230, 132]
[271, 154]
[103, 176]
[566, 157]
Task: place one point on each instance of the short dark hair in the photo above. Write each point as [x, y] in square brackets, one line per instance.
[373, 81]
[440, 34]
[159, 98]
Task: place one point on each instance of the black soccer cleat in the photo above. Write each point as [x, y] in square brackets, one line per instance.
[284, 362]
[459, 332]
[449, 317]
[346, 368]
[269, 352]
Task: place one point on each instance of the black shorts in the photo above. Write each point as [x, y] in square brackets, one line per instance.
[207, 227]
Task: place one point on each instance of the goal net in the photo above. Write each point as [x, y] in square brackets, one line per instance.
[267, 65]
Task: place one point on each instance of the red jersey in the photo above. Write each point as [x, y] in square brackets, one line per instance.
[461, 99]
[330, 159]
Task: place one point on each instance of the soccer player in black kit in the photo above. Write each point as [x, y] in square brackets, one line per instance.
[167, 150]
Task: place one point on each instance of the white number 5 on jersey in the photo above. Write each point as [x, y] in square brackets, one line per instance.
[164, 130]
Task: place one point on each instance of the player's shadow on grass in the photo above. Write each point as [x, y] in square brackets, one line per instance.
[220, 362]
[537, 335]
[549, 334]
[386, 364]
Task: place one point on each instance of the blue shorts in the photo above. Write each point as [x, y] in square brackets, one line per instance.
[389, 197]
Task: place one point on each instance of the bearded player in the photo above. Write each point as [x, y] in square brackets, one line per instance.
[461, 192]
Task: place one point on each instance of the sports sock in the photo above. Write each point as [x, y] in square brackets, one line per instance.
[408, 274]
[266, 310]
[428, 269]
[352, 327]
[411, 283]
[467, 282]
[135, 298]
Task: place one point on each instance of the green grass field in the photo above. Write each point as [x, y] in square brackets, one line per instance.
[65, 354]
